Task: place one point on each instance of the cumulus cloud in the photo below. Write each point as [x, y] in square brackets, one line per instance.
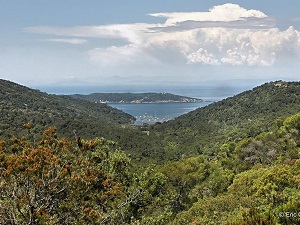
[243, 47]
[202, 56]
[225, 35]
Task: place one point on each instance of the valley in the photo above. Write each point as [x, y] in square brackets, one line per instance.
[73, 155]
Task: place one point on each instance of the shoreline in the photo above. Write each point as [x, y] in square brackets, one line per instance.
[155, 102]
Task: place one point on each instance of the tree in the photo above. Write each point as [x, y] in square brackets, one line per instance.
[56, 182]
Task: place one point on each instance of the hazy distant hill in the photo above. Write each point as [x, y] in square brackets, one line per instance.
[135, 97]
[19, 105]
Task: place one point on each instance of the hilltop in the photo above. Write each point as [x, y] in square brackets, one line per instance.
[135, 98]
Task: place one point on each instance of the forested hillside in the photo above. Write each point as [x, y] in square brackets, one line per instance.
[24, 107]
[58, 181]
[233, 162]
[20, 105]
[202, 131]
[246, 114]
[251, 181]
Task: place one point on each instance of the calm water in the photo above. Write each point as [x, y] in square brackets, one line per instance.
[157, 112]
[151, 113]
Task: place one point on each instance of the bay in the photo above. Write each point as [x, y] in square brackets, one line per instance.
[157, 112]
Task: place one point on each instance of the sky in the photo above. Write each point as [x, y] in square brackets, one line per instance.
[74, 43]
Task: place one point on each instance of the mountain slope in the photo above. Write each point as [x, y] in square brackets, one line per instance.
[19, 105]
[245, 114]
[72, 117]
[252, 180]
[202, 131]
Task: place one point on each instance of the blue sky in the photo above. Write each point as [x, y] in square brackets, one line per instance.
[174, 42]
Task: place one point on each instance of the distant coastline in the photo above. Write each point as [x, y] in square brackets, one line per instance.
[155, 102]
[151, 113]
[137, 98]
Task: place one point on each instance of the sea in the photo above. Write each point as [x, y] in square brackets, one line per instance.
[150, 113]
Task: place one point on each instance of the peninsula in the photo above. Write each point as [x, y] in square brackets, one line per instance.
[136, 98]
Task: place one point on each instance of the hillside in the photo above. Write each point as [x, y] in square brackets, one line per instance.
[251, 181]
[233, 162]
[243, 115]
[254, 180]
[20, 105]
[135, 97]
[201, 131]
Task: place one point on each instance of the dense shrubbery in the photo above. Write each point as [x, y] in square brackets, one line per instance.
[244, 115]
[249, 182]
[58, 181]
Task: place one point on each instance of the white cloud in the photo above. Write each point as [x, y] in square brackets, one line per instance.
[202, 56]
[225, 35]
[227, 12]
[243, 47]
[74, 41]
[120, 55]
[130, 32]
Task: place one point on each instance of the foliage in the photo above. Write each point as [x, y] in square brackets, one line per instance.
[58, 181]
[202, 131]
[245, 115]
[233, 162]
[21, 105]
[264, 190]
[257, 195]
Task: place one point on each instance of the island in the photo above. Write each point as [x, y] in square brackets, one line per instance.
[150, 97]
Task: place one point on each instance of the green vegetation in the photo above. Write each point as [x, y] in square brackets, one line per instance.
[135, 97]
[19, 105]
[259, 181]
[244, 115]
[233, 162]
[56, 181]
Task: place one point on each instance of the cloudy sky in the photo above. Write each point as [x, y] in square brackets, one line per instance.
[139, 42]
